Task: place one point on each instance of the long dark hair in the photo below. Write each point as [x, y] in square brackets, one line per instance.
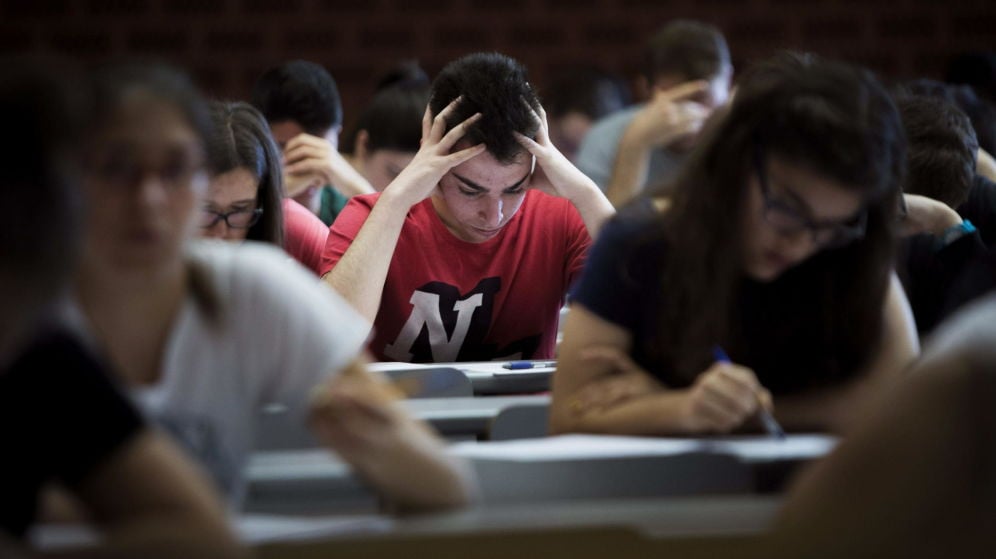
[112, 83]
[831, 118]
[242, 139]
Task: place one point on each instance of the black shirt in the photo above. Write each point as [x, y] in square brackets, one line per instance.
[939, 279]
[778, 327]
[60, 418]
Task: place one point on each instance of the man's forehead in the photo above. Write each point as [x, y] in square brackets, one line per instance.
[487, 172]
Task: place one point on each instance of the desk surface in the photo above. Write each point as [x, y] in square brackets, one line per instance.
[559, 469]
[466, 416]
[487, 377]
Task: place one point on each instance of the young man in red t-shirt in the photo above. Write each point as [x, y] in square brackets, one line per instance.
[468, 253]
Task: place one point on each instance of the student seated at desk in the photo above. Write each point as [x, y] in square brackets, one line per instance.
[777, 248]
[61, 419]
[245, 199]
[208, 332]
[468, 253]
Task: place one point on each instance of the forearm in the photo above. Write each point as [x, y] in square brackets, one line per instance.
[593, 206]
[658, 413]
[422, 476]
[360, 274]
[629, 173]
[349, 182]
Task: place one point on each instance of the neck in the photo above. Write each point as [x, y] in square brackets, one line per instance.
[148, 293]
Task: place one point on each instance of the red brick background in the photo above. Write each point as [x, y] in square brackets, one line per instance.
[227, 43]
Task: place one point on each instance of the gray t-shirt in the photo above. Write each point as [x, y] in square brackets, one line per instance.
[597, 154]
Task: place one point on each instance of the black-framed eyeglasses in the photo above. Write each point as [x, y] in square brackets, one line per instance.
[785, 218]
[237, 219]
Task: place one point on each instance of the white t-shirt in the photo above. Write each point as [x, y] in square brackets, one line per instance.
[278, 333]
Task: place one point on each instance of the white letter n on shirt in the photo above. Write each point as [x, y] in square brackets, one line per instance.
[425, 313]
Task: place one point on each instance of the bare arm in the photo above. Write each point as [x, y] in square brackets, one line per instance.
[598, 389]
[356, 415]
[150, 502]
[360, 274]
[666, 118]
[313, 162]
[560, 177]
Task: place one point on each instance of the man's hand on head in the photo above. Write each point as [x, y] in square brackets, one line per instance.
[434, 159]
[312, 162]
[553, 173]
[671, 116]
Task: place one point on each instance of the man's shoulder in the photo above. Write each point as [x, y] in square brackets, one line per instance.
[610, 126]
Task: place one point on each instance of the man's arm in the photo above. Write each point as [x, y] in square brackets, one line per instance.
[560, 177]
[311, 161]
[665, 119]
[361, 273]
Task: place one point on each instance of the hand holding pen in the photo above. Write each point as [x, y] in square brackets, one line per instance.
[722, 398]
[764, 400]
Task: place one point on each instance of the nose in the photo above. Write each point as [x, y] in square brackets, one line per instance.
[797, 245]
[151, 192]
[493, 211]
[217, 231]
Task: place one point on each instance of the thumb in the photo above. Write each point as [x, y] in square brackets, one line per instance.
[765, 400]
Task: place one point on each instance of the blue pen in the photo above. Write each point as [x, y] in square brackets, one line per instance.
[770, 423]
[518, 365]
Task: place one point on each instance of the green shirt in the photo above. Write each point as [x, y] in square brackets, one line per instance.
[332, 203]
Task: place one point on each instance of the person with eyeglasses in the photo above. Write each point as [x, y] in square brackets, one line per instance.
[245, 198]
[776, 245]
[204, 334]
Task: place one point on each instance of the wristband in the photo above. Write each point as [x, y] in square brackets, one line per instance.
[955, 232]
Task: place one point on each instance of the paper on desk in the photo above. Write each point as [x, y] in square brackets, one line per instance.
[794, 447]
[588, 447]
[260, 528]
[574, 447]
[388, 366]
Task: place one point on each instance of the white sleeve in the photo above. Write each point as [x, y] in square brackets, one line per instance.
[302, 330]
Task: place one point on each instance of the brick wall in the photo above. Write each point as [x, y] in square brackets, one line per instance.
[227, 43]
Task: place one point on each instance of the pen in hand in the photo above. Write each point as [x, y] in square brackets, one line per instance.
[770, 423]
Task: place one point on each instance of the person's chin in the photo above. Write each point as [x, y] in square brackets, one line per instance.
[482, 234]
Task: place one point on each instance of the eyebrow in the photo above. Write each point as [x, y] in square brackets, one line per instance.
[808, 210]
[473, 185]
[246, 202]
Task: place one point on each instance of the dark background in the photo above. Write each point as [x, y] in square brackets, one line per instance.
[226, 44]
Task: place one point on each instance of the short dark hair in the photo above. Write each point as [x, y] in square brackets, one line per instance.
[691, 49]
[496, 86]
[942, 149]
[392, 120]
[301, 91]
[241, 139]
[42, 107]
[979, 112]
[586, 90]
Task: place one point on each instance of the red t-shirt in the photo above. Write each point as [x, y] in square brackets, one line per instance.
[446, 299]
[304, 235]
